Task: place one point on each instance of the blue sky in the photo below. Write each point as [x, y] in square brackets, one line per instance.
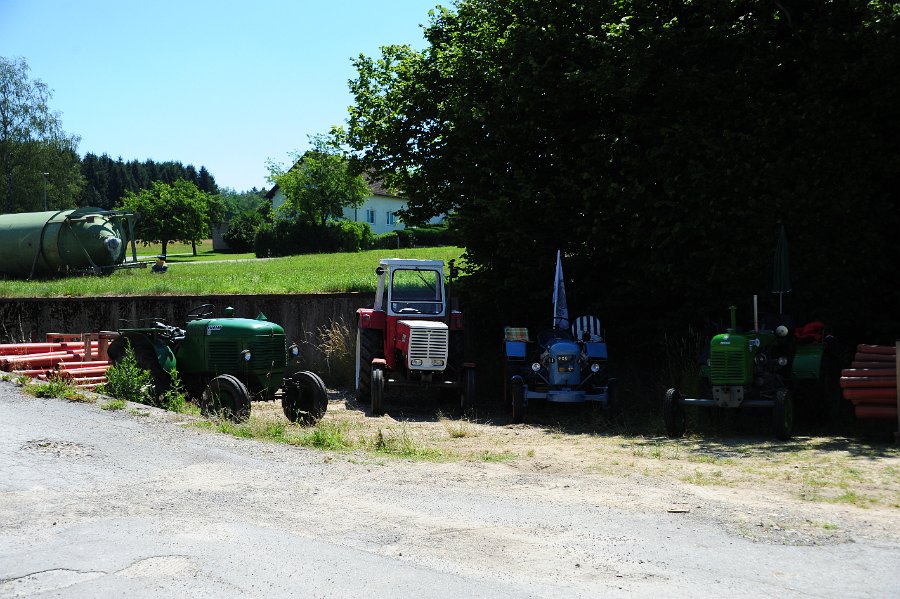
[222, 84]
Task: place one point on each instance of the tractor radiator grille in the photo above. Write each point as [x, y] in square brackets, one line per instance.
[223, 356]
[729, 368]
[267, 352]
[428, 344]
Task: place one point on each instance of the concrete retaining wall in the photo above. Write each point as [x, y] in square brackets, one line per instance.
[301, 316]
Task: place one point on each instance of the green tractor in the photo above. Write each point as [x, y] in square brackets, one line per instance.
[224, 363]
[756, 369]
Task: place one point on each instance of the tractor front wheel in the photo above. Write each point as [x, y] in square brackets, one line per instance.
[305, 398]
[673, 414]
[368, 345]
[517, 394]
[783, 414]
[227, 396]
[377, 389]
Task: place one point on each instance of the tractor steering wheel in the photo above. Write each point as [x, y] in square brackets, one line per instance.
[201, 311]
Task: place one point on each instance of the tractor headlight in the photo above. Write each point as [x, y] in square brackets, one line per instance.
[760, 359]
[782, 361]
[295, 351]
[416, 361]
[246, 355]
[595, 367]
[436, 362]
[536, 366]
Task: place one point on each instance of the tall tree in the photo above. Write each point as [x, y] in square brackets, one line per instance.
[658, 144]
[319, 185]
[37, 158]
[176, 212]
[106, 180]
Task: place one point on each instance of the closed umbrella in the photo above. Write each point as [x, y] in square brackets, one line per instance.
[782, 281]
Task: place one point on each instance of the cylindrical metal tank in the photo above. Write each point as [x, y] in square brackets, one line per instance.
[48, 243]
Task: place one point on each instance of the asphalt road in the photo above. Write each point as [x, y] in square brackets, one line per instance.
[103, 504]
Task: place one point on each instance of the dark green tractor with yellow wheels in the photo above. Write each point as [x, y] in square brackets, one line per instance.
[760, 368]
[224, 363]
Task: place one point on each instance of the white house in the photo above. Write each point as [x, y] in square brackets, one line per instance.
[379, 209]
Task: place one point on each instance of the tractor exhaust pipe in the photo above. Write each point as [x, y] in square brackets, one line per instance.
[755, 314]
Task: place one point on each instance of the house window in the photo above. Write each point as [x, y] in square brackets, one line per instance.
[370, 217]
[390, 218]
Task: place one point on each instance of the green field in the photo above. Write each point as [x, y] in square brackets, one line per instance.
[312, 273]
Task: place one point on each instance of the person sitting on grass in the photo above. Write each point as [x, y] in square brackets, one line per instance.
[160, 266]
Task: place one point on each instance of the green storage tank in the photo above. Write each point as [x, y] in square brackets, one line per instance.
[50, 243]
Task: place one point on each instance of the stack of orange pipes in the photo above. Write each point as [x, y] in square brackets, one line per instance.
[63, 359]
[871, 383]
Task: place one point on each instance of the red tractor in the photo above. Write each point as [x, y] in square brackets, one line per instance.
[411, 338]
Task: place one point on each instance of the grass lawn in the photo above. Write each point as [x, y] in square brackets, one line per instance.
[312, 273]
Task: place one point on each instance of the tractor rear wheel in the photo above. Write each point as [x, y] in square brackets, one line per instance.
[227, 396]
[377, 389]
[517, 395]
[467, 390]
[673, 414]
[783, 414]
[305, 398]
[368, 346]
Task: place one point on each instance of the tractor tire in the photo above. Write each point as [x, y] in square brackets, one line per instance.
[673, 414]
[369, 345]
[305, 399]
[783, 415]
[226, 396]
[517, 397]
[377, 389]
[467, 390]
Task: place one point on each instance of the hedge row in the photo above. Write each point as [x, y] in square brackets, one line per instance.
[287, 238]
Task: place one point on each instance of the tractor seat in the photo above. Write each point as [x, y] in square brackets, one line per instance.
[587, 328]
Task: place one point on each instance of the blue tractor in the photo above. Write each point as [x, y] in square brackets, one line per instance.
[566, 364]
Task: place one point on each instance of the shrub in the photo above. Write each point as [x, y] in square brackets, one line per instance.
[241, 233]
[351, 236]
[126, 380]
[292, 237]
[386, 241]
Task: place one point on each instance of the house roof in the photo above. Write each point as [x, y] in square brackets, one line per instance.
[376, 188]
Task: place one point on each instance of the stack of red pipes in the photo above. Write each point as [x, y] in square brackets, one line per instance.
[61, 359]
[871, 381]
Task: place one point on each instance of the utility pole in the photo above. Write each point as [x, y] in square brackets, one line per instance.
[45, 190]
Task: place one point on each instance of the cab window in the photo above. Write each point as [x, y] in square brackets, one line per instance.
[416, 292]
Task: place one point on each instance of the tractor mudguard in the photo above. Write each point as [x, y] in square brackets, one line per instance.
[596, 350]
[369, 318]
[161, 350]
[807, 364]
[515, 349]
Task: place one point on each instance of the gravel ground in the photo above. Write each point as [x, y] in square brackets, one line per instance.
[102, 503]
